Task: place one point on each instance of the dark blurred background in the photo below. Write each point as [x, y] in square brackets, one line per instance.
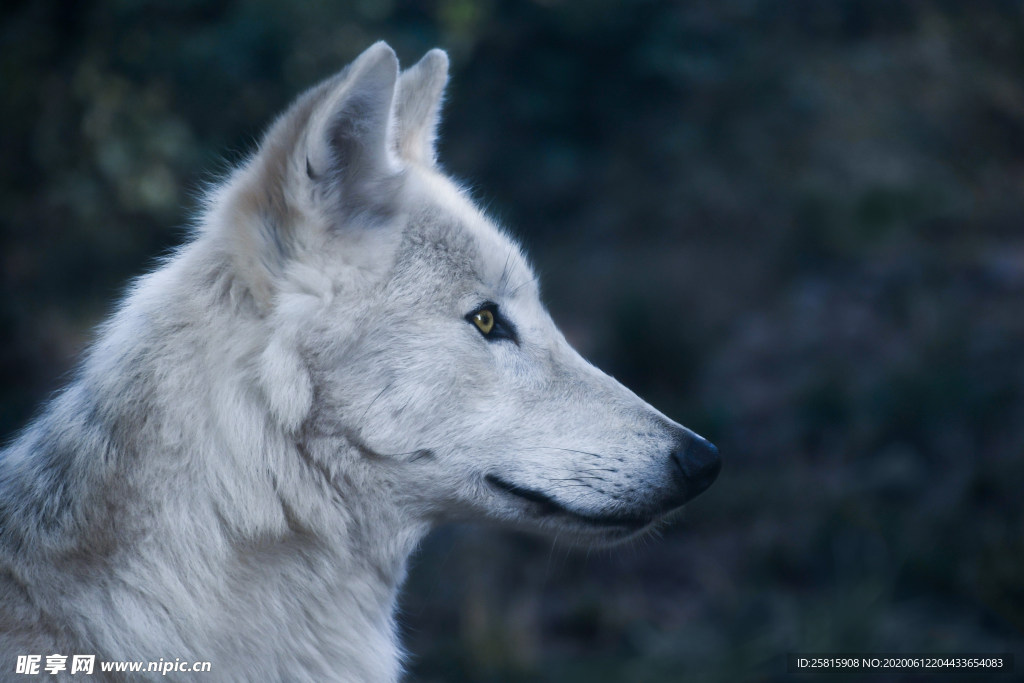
[793, 226]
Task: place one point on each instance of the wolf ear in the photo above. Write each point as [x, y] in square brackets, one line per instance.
[327, 163]
[348, 139]
[418, 107]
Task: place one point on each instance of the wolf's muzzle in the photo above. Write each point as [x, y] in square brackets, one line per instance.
[697, 464]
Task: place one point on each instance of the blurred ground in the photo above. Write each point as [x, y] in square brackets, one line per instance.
[793, 226]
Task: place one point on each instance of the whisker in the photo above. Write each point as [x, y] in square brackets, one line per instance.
[437, 578]
[547, 567]
[565, 559]
[567, 450]
[513, 292]
[579, 485]
[374, 401]
[504, 272]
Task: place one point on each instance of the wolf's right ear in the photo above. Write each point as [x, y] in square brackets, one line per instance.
[418, 107]
[326, 166]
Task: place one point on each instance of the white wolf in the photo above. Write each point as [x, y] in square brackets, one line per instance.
[347, 353]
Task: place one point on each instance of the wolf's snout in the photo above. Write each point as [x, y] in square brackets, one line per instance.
[698, 464]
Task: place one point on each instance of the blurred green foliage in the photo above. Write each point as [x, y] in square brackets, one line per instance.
[793, 225]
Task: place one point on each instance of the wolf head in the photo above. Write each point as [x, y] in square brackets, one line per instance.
[405, 336]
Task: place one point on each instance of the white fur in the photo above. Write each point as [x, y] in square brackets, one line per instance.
[275, 418]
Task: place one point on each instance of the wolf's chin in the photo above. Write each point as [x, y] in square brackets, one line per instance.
[610, 527]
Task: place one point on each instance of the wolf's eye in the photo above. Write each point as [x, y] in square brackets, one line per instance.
[492, 324]
[484, 320]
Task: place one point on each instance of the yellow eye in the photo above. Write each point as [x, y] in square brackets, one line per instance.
[484, 320]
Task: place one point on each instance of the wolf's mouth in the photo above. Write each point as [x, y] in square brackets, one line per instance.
[550, 506]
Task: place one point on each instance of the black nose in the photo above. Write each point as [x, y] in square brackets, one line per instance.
[699, 465]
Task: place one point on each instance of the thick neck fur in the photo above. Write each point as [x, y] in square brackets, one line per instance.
[116, 517]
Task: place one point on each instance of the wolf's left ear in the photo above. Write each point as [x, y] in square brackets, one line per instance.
[327, 164]
[347, 141]
[418, 107]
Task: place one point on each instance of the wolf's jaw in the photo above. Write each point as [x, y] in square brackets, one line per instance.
[550, 507]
